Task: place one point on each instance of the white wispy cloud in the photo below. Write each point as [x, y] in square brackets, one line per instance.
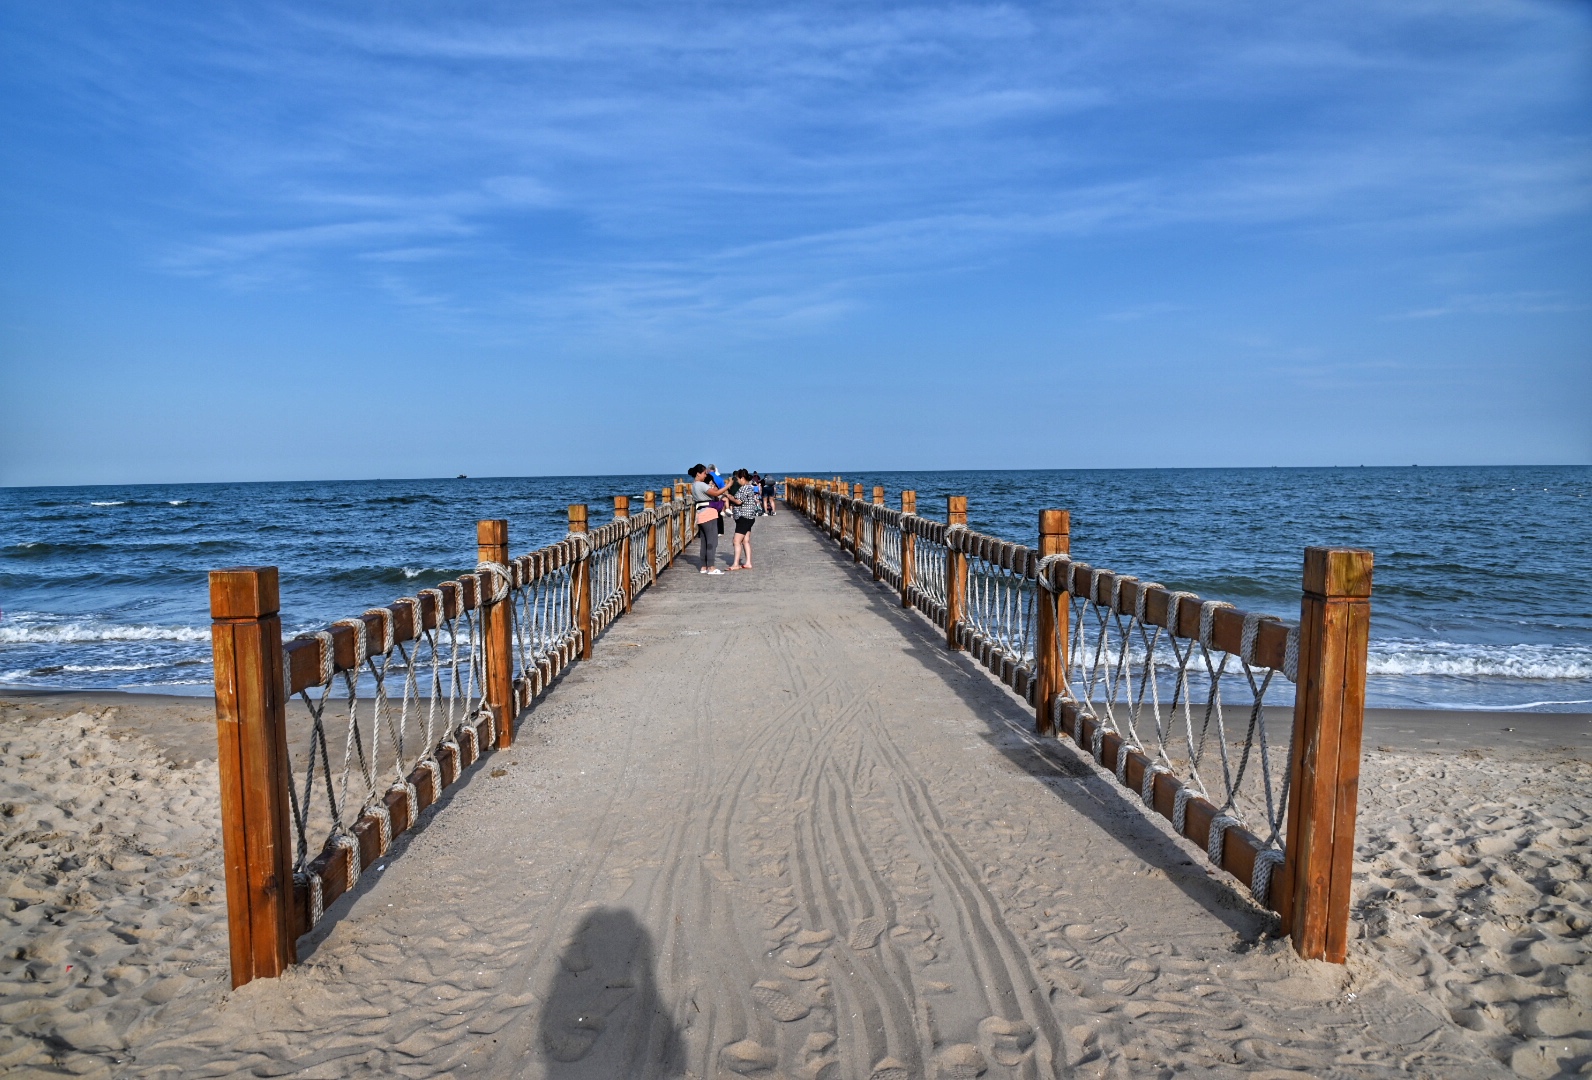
[769, 163]
[1512, 303]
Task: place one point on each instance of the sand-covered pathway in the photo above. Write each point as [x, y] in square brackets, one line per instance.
[775, 829]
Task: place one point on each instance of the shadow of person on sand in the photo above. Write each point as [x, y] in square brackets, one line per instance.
[602, 1016]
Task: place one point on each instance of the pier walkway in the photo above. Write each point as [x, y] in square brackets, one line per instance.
[775, 828]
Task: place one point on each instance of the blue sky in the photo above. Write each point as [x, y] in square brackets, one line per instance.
[277, 241]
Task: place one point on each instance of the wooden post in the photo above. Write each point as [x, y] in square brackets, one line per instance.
[650, 504]
[1050, 624]
[878, 530]
[909, 547]
[497, 631]
[581, 582]
[955, 572]
[676, 526]
[622, 513]
[251, 731]
[1329, 713]
[856, 523]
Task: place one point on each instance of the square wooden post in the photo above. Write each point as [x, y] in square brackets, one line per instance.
[581, 581]
[650, 504]
[622, 513]
[878, 530]
[909, 547]
[1050, 624]
[497, 630]
[955, 573]
[1329, 715]
[251, 733]
[676, 525]
[856, 523]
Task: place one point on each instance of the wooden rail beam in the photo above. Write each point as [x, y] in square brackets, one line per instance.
[251, 732]
[1329, 717]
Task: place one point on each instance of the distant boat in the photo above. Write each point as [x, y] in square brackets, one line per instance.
[463, 477]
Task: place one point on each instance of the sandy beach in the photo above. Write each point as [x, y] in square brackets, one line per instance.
[792, 840]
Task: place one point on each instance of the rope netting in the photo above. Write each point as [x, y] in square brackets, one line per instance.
[1190, 709]
[546, 632]
[1163, 688]
[926, 590]
[607, 588]
[889, 544]
[398, 698]
[440, 706]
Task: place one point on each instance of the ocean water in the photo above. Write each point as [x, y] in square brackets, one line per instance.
[1483, 587]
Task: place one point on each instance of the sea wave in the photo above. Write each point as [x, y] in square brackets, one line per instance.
[112, 502]
[1480, 661]
[79, 633]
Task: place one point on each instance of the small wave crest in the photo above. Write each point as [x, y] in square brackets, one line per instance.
[112, 502]
[79, 633]
[1480, 661]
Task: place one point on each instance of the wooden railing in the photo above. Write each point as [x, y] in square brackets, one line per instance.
[494, 640]
[1080, 644]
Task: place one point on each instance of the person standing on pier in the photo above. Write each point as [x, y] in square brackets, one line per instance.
[719, 504]
[767, 487]
[707, 498]
[748, 499]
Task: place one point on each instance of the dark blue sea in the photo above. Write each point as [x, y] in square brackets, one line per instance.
[1483, 595]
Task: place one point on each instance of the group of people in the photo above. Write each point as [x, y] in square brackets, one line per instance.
[743, 500]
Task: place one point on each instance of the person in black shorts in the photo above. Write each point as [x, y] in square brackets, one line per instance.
[748, 500]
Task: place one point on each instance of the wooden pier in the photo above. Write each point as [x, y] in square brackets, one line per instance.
[796, 828]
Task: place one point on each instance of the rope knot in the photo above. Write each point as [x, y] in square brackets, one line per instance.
[1044, 575]
[502, 582]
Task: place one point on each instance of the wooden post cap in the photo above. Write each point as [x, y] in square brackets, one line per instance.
[577, 517]
[1337, 572]
[649, 500]
[244, 592]
[956, 509]
[878, 495]
[621, 506]
[1055, 523]
[494, 532]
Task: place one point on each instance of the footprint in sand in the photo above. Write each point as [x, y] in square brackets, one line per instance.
[780, 1005]
[747, 1057]
[889, 1069]
[798, 957]
[865, 935]
[960, 1062]
[1005, 1042]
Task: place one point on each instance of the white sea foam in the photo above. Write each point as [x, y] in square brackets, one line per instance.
[110, 502]
[1480, 661]
[176, 502]
[77, 633]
